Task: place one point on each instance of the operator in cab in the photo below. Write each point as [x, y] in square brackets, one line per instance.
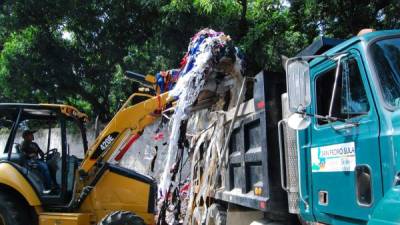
[32, 152]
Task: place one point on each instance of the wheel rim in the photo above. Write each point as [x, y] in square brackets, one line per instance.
[2, 220]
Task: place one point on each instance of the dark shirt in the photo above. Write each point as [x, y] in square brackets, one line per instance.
[31, 150]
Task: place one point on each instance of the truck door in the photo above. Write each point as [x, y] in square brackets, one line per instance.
[345, 156]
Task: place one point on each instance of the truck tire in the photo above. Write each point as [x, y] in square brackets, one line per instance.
[13, 211]
[121, 218]
[216, 215]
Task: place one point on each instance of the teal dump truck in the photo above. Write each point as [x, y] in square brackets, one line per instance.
[328, 150]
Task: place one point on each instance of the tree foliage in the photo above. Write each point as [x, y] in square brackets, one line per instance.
[76, 52]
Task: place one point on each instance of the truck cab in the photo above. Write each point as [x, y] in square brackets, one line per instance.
[345, 104]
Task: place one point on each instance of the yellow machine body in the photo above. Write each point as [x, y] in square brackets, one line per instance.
[12, 178]
[114, 191]
[64, 219]
[120, 192]
[112, 188]
[134, 118]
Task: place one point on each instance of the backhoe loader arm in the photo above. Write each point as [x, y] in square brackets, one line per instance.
[129, 121]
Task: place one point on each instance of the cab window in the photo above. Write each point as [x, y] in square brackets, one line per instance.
[350, 97]
[75, 142]
[5, 129]
[47, 133]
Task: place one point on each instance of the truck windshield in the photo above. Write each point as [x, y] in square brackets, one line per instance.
[386, 57]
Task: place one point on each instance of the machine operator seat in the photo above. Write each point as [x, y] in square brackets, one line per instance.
[15, 155]
[19, 161]
[30, 171]
[32, 175]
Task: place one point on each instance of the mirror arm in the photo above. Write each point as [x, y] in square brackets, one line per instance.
[328, 118]
[339, 59]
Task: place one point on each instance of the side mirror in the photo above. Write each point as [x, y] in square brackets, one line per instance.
[298, 121]
[298, 84]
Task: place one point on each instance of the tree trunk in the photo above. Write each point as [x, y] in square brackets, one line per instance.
[243, 25]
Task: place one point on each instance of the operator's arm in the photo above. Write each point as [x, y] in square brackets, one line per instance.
[39, 150]
[29, 149]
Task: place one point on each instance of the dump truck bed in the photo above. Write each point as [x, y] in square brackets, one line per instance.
[253, 156]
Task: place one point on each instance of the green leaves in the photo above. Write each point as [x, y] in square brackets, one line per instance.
[343, 18]
[16, 57]
[38, 63]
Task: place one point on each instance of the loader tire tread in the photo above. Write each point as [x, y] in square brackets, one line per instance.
[13, 211]
[121, 218]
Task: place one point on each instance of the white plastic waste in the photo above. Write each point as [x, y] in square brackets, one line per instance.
[187, 90]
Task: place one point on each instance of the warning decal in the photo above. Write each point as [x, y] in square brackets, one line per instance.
[334, 158]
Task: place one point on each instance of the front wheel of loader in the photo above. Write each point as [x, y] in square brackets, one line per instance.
[121, 218]
[13, 211]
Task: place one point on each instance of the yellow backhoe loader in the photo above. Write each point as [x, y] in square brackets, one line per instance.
[85, 187]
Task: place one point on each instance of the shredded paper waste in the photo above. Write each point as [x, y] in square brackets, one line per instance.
[183, 150]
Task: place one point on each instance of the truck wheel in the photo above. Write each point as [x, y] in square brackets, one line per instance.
[13, 211]
[121, 218]
[216, 215]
